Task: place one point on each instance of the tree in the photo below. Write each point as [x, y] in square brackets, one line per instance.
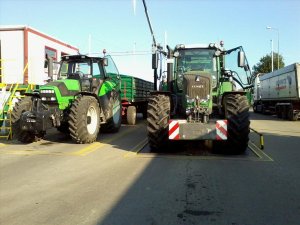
[265, 64]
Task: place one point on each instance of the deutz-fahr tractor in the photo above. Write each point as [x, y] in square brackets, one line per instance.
[205, 97]
[85, 96]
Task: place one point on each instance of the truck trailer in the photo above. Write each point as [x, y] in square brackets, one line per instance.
[279, 92]
[134, 96]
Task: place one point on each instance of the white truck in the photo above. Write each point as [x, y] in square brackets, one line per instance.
[279, 92]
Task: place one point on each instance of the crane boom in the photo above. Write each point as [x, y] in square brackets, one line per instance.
[149, 23]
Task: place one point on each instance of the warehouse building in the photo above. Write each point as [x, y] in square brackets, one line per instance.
[23, 51]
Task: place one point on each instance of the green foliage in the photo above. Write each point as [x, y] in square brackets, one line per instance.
[265, 64]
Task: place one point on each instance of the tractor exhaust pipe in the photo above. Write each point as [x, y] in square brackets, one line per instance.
[169, 68]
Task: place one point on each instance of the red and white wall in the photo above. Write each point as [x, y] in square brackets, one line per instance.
[22, 52]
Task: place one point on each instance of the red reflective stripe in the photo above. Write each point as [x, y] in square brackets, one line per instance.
[176, 137]
[223, 131]
[221, 127]
[174, 128]
[218, 138]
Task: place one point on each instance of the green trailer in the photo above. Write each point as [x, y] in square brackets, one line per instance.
[134, 97]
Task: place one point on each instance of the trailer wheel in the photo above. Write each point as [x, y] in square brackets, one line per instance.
[23, 105]
[284, 112]
[158, 121]
[237, 115]
[84, 119]
[291, 115]
[278, 111]
[254, 108]
[131, 115]
[113, 124]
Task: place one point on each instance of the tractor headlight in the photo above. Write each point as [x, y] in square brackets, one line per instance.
[52, 99]
[190, 100]
[47, 91]
[44, 98]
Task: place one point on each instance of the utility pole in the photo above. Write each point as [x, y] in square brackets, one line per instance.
[277, 30]
[272, 55]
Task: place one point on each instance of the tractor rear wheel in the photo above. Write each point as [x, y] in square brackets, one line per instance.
[237, 115]
[113, 124]
[84, 119]
[158, 115]
[23, 105]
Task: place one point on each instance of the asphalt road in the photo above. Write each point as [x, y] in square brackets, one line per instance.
[108, 183]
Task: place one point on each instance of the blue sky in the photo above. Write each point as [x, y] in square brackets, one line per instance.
[112, 25]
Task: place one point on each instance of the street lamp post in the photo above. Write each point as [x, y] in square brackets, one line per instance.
[277, 30]
[272, 57]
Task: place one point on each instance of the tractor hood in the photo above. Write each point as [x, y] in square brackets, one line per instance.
[60, 92]
[64, 87]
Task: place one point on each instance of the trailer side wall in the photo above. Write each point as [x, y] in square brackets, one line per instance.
[282, 84]
[134, 89]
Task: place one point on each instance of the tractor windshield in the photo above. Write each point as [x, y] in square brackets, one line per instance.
[192, 60]
[196, 60]
[82, 68]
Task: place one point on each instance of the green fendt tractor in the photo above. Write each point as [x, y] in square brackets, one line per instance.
[205, 97]
[85, 96]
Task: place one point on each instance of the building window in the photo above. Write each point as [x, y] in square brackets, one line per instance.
[51, 52]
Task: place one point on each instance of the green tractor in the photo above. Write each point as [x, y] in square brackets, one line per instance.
[85, 97]
[205, 97]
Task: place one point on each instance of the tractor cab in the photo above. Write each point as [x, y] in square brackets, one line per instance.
[89, 71]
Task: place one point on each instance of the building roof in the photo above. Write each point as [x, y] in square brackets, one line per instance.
[35, 31]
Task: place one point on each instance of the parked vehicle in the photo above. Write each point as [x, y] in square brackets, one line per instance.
[279, 92]
[85, 97]
[206, 97]
[134, 97]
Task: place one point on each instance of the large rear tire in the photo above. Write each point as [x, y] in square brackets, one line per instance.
[21, 106]
[84, 119]
[237, 115]
[158, 115]
[113, 124]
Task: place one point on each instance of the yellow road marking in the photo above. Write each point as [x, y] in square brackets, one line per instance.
[82, 152]
[2, 145]
[91, 148]
[96, 145]
[136, 149]
[30, 152]
[259, 152]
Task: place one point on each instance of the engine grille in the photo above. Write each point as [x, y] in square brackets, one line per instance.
[197, 85]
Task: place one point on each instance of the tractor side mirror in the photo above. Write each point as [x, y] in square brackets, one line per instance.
[155, 60]
[241, 59]
[176, 54]
[104, 62]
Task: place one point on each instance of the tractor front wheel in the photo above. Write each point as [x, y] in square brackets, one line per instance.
[84, 119]
[158, 115]
[237, 115]
[23, 105]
